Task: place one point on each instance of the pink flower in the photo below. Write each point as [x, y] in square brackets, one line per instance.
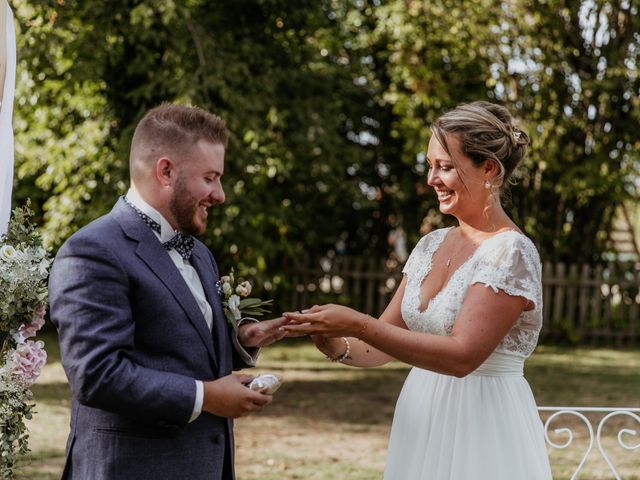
[244, 289]
[27, 361]
[30, 329]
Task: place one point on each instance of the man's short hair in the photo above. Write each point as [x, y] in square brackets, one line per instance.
[170, 128]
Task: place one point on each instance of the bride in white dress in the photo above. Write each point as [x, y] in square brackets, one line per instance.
[466, 315]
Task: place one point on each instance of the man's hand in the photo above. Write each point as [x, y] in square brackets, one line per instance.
[261, 334]
[230, 397]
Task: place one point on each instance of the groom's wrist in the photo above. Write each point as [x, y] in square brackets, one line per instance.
[243, 337]
[246, 320]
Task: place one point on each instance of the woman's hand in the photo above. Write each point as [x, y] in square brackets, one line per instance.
[328, 320]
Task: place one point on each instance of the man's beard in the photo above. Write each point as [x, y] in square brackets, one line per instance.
[184, 208]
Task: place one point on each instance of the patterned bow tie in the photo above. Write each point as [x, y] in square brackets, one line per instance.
[183, 244]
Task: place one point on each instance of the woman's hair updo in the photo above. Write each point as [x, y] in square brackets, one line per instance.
[486, 131]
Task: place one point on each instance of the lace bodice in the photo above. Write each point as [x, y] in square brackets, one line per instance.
[508, 261]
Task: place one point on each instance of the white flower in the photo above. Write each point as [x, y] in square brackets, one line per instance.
[227, 289]
[225, 279]
[8, 253]
[43, 267]
[244, 289]
[234, 306]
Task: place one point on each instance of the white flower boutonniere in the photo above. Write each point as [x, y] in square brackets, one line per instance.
[236, 301]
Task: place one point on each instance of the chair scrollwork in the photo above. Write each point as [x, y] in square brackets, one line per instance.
[594, 438]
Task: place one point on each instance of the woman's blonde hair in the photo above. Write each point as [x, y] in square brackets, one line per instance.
[486, 131]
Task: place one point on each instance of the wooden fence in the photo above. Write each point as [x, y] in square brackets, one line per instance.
[582, 304]
[595, 304]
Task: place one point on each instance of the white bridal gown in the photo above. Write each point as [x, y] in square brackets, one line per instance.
[484, 426]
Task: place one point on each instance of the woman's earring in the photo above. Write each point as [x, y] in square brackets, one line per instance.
[487, 184]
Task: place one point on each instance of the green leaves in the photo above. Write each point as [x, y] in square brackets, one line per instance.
[579, 96]
[16, 406]
[328, 105]
[231, 319]
[254, 307]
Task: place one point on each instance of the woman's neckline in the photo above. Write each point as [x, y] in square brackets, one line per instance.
[455, 272]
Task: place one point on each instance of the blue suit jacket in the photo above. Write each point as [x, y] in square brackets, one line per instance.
[132, 341]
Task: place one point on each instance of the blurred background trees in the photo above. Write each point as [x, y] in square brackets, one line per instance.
[328, 103]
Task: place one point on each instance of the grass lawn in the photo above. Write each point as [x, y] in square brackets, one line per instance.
[332, 422]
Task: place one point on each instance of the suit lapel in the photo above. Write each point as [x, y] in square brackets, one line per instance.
[155, 256]
[203, 265]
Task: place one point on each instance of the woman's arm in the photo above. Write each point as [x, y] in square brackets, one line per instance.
[482, 322]
[361, 354]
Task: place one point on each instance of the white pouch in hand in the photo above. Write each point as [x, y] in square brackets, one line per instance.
[266, 383]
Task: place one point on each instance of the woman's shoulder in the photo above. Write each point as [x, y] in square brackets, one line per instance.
[511, 238]
[510, 244]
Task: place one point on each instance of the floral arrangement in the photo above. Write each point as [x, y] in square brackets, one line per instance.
[236, 301]
[24, 268]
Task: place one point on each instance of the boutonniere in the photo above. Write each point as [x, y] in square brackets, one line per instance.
[236, 302]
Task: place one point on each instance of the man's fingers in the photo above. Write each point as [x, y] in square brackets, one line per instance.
[277, 322]
[278, 335]
[244, 379]
[273, 333]
[261, 399]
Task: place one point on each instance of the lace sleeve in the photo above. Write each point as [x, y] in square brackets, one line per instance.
[511, 264]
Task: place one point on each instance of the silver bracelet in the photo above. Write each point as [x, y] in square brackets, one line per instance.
[345, 355]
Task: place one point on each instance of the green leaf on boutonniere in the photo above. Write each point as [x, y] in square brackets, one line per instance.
[249, 302]
[231, 319]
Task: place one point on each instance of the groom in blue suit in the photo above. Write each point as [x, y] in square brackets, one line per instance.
[143, 338]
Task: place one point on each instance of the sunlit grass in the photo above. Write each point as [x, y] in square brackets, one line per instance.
[332, 422]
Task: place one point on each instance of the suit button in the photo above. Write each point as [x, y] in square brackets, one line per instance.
[218, 439]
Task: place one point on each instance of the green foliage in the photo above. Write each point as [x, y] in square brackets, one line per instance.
[574, 78]
[24, 267]
[21, 231]
[328, 104]
[16, 405]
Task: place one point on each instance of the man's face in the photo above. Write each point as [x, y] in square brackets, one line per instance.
[198, 186]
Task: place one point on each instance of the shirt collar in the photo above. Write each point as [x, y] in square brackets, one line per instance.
[166, 231]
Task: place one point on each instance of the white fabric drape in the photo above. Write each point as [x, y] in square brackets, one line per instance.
[6, 125]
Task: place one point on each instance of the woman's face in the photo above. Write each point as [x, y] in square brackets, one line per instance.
[459, 186]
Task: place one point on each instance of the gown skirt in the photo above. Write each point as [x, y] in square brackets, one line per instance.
[484, 426]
